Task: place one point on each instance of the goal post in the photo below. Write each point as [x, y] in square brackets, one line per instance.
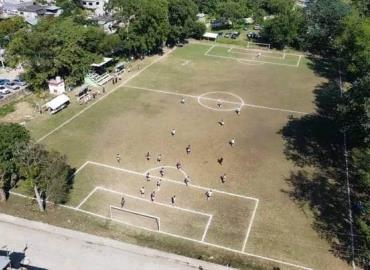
[258, 46]
[135, 218]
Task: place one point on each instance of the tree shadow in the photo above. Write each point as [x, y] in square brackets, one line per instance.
[323, 67]
[314, 143]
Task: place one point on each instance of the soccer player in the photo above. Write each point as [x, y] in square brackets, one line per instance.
[232, 142]
[152, 196]
[223, 178]
[158, 184]
[237, 110]
[123, 202]
[220, 160]
[221, 123]
[118, 158]
[161, 172]
[173, 132]
[147, 156]
[142, 191]
[188, 149]
[187, 180]
[173, 200]
[159, 157]
[147, 176]
[219, 104]
[209, 194]
[183, 101]
[178, 165]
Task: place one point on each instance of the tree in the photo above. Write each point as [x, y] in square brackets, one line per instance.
[9, 27]
[146, 26]
[182, 18]
[46, 174]
[355, 110]
[284, 28]
[232, 10]
[324, 23]
[10, 136]
[54, 47]
[354, 45]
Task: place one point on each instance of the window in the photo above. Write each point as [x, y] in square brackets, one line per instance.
[84, 3]
[90, 4]
[97, 3]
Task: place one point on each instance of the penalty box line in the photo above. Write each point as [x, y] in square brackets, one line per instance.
[177, 236]
[251, 220]
[216, 100]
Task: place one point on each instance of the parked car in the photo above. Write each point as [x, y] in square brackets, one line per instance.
[13, 86]
[227, 35]
[19, 82]
[235, 35]
[4, 90]
[4, 81]
[220, 34]
[1, 97]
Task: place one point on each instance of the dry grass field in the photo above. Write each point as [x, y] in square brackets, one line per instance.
[251, 212]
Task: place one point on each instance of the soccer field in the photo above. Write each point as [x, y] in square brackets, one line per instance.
[250, 213]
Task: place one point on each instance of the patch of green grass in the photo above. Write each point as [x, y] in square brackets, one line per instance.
[7, 108]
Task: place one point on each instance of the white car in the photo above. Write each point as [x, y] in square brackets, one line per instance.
[4, 90]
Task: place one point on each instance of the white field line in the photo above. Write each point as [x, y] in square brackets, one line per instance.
[106, 95]
[158, 203]
[212, 99]
[299, 60]
[207, 227]
[172, 181]
[250, 60]
[86, 198]
[182, 237]
[157, 219]
[250, 225]
[210, 49]
[349, 200]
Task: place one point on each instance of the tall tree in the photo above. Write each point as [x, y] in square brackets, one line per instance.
[146, 26]
[324, 23]
[54, 47]
[354, 45]
[182, 19]
[284, 28]
[10, 136]
[46, 174]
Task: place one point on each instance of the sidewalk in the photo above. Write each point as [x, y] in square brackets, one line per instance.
[57, 248]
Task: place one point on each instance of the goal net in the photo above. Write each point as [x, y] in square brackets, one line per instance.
[135, 218]
[259, 46]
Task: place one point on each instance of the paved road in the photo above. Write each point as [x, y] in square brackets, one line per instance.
[51, 247]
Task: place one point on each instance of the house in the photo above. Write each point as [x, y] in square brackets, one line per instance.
[56, 86]
[109, 24]
[30, 11]
[10, 7]
[95, 5]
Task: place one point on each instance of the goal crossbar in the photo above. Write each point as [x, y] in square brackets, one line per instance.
[157, 219]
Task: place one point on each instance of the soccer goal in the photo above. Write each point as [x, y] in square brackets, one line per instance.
[259, 46]
[135, 218]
